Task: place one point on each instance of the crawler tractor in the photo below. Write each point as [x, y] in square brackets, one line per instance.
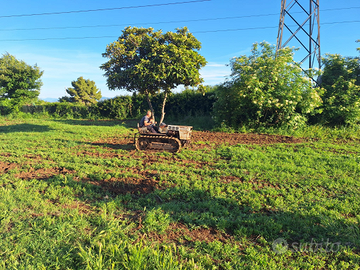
[170, 138]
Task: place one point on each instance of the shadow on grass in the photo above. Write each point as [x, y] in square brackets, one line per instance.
[131, 123]
[24, 128]
[196, 207]
[128, 146]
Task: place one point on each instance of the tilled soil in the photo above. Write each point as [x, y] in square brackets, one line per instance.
[240, 138]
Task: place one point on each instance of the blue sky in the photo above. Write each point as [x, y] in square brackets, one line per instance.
[69, 45]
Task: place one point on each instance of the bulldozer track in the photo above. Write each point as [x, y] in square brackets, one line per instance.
[159, 143]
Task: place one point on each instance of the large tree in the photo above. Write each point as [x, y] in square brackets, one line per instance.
[84, 91]
[145, 61]
[19, 81]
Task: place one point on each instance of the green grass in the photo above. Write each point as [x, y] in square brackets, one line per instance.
[75, 195]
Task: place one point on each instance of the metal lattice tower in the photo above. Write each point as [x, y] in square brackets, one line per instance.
[303, 24]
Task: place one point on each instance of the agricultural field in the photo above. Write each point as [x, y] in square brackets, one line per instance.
[75, 194]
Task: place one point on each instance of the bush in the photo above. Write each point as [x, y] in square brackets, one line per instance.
[341, 100]
[266, 89]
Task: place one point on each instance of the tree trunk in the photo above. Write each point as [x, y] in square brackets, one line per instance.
[163, 108]
[150, 105]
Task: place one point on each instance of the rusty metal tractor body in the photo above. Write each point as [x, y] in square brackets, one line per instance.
[170, 137]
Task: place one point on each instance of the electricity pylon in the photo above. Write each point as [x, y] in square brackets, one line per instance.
[303, 24]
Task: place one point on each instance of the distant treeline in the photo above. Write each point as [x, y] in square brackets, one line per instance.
[186, 103]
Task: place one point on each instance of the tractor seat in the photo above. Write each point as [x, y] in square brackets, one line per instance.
[142, 130]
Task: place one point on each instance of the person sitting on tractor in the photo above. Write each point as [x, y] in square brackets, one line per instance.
[148, 122]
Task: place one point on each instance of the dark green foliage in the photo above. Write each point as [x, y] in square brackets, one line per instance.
[341, 100]
[69, 110]
[83, 91]
[19, 82]
[188, 103]
[116, 108]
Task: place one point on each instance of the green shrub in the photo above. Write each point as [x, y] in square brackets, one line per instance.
[341, 100]
[266, 89]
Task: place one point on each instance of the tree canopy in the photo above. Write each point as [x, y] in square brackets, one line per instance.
[265, 88]
[84, 91]
[19, 81]
[146, 61]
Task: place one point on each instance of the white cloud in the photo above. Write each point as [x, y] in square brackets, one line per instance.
[215, 73]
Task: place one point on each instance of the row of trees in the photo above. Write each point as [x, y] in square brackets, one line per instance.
[266, 88]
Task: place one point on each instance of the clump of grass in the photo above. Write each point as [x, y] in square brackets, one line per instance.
[156, 220]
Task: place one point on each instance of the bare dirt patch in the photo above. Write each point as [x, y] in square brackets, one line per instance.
[218, 138]
[43, 173]
[5, 167]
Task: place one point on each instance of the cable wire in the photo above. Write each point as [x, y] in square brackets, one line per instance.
[164, 22]
[102, 9]
[195, 32]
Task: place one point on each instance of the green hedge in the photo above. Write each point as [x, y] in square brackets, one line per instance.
[186, 103]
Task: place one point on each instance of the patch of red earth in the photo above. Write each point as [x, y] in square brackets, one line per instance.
[43, 173]
[180, 233]
[239, 138]
[5, 167]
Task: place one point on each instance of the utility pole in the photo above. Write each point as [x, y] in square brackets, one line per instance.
[302, 24]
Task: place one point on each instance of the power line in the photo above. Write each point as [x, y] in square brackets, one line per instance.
[164, 22]
[115, 25]
[102, 9]
[195, 32]
[257, 28]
